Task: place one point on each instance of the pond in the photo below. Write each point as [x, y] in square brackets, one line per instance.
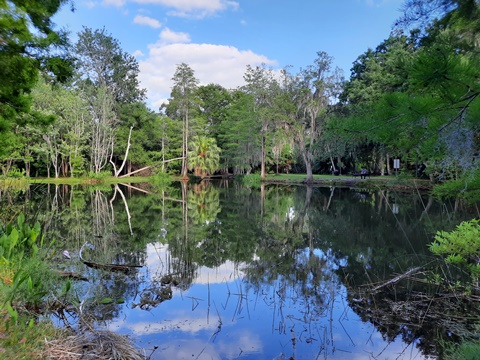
[223, 271]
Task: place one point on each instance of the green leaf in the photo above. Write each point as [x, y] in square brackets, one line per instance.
[21, 220]
[13, 313]
[68, 286]
[106, 301]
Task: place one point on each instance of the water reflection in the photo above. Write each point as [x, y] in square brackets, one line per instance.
[232, 272]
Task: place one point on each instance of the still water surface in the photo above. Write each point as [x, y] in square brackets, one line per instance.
[230, 272]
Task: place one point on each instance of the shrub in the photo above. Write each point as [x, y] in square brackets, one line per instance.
[460, 246]
[161, 180]
[251, 180]
[23, 270]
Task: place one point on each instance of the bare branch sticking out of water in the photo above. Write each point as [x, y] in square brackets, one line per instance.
[398, 278]
[111, 267]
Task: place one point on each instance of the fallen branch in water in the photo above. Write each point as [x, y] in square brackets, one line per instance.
[71, 275]
[111, 267]
[398, 278]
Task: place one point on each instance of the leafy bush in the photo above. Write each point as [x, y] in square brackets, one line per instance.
[460, 246]
[16, 173]
[100, 175]
[161, 180]
[16, 239]
[27, 276]
[467, 188]
[251, 180]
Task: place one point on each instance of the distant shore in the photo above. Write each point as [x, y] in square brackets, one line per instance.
[387, 182]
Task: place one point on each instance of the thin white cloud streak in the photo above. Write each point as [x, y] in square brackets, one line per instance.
[380, 3]
[195, 8]
[117, 3]
[218, 64]
[147, 21]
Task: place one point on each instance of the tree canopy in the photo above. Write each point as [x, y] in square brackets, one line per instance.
[414, 97]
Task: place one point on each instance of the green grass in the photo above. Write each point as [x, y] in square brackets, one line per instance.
[373, 182]
[88, 181]
[22, 336]
[467, 350]
[316, 177]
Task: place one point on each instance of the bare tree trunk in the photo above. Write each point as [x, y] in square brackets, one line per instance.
[116, 173]
[185, 149]
[388, 163]
[262, 172]
[308, 158]
[27, 168]
[48, 169]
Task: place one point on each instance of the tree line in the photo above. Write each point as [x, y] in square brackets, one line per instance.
[78, 109]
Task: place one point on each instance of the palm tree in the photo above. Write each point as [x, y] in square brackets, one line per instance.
[204, 155]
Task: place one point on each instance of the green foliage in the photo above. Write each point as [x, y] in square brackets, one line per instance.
[22, 254]
[215, 103]
[102, 175]
[28, 44]
[251, 180]
[467, 350]
[161, 180]
[33, 281]
[150, 132]
[460, 246]
[380, 71]
[467, 187]
[204, 156]
[17, 240]
[238, 136]
[183, 105]
[16, 173]
[101, 58]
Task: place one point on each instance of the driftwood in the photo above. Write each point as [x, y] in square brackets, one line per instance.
[148, 167]
[136, 171]
[71, 275]
[111, 267]
[398, 278]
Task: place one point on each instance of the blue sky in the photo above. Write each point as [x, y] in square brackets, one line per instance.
[219, 38]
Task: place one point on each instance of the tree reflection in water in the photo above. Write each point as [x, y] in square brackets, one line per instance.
[251, 272]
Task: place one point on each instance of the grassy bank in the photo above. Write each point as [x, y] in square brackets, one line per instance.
[373, 182]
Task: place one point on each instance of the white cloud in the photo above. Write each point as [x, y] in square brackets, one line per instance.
[219, 64]
[138, 53]
[168, 36]
[380, 3]
[90, 4]
[117, 3]
[193, 8]
[148, 21]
